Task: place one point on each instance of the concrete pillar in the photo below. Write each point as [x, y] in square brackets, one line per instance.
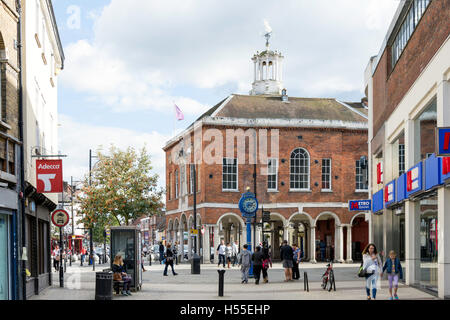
[255, 72]
[286, 233]
[412, 242]
[181, 240]
[338, 243]
[443, 120]
[349, 244]
[312, 236]
[206, 246]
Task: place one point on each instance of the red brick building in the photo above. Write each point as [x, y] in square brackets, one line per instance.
[306, 163]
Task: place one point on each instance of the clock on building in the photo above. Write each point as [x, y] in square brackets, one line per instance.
[248, 205]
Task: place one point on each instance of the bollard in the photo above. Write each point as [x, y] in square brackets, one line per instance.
[305, 281]
[221, 276]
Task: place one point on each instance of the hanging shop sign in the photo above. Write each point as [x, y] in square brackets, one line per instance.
[389, 194]
[49, 176]
[414, 179]
[443, 142]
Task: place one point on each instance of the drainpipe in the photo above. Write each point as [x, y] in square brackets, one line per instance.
[22, 160]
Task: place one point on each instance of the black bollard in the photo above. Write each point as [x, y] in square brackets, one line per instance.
[305, 281]
[221, 273]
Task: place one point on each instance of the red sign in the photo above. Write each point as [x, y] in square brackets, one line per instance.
[446, 165]
[49, 176]
[60, 218]
[379, 173]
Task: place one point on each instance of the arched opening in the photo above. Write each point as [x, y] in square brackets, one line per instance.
[264, 71]
[231, 228]
[170, 230]
[274, 233]
[299, 229]
[360, 236]
[327, 246]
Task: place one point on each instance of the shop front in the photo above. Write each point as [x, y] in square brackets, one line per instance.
[4, 257]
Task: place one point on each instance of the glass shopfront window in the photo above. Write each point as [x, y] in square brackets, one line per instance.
[428, 243]
[4, 257]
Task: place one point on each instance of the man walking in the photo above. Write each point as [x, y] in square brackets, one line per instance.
[244, 262]
[235, 252]
[221, 249]
[286, 254]
[161, 252]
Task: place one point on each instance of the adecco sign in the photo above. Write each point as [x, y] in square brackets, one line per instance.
[49, 176]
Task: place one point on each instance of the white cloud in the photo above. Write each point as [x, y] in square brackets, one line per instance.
[77, 138]
[143, 51]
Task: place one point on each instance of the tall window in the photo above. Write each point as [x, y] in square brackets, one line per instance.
[2, 87]
[406, 29]
[360, 185]
[272, 171]
[176, 184]
[326, 174]
[299, 170]
[229, 174]
[169, 187]
[401, 159]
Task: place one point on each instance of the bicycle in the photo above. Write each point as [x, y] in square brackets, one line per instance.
[328, 278]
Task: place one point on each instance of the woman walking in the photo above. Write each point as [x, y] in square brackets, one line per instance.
[257, 259]
[267, 261]
[169, 256]
[229, 253]
[394, 270]
[373, 268]
[295, 262]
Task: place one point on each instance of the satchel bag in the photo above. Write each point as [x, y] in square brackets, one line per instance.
[117, 276]
[362, 272]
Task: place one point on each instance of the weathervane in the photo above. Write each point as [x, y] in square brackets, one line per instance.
[268, 33]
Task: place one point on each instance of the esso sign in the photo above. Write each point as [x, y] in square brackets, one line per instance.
[49, 176]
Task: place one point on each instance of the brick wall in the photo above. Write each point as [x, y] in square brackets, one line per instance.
[391, 84]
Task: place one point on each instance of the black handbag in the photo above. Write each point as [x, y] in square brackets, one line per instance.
[362, 272]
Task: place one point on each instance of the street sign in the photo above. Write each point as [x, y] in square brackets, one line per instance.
[194, 231]
[60, 218]
[359, 205]
[443, 142]
[49, 176]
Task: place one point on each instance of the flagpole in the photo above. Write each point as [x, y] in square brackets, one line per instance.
[174, 119]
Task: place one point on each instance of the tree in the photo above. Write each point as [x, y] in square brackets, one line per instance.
[122, 189]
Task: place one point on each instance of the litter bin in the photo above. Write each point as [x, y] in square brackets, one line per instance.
[103, 285]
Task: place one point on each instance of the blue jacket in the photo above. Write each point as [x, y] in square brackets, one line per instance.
[398, 267]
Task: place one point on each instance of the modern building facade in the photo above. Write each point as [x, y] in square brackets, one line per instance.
[408, 90]
[43, 59]
[9, 151]
[301, 156]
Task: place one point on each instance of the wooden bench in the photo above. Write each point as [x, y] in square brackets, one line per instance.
[117, 284]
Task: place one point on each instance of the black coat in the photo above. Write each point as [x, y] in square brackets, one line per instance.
[286, 252]
[258, 258]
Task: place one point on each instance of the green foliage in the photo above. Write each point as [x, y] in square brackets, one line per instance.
[122, 189]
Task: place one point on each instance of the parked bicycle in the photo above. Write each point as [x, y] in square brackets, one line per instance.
[328, 278]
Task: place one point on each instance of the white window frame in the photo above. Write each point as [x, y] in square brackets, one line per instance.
[176, 184]
[269, 173]
[308, 180]
[329, 175]
[358, 167]
[237, 175]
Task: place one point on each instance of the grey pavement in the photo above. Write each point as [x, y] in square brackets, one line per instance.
[80, 285]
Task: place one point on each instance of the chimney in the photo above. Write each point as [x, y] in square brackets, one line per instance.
[284, 96]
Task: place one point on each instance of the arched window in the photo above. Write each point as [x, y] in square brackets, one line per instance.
[299, 169]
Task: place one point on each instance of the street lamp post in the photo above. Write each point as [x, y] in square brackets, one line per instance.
[91, 241]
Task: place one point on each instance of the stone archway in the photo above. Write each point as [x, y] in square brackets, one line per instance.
[230, 227]
[274, 232]
[299, 231]
[170, 231]
[357, 237]
[329, 236]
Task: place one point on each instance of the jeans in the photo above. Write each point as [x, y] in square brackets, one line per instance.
[372, 280]
[169, 263]
[295, 271]
[244, 273]
[126, 283]
[222, 258]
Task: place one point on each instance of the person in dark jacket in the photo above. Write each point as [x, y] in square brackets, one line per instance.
[169, 260]
[161, 252]
[287, 253]
[267, 261]
[395, 272]
[257, 259]
[120, 273]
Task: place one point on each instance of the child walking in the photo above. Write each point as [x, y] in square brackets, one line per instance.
[395, 272]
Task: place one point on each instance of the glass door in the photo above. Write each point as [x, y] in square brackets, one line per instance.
[4, 274]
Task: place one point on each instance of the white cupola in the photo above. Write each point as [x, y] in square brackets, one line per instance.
[268, 74]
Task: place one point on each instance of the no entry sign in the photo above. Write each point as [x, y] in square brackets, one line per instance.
[49, 176]
[60, 218]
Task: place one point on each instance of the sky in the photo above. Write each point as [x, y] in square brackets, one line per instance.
[128, 62]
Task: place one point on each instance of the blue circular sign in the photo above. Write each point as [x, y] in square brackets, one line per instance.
[248, 204]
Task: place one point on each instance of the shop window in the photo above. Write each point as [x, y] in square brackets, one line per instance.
[427, 129]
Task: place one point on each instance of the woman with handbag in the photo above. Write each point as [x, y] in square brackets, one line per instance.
[120, 274]
[169, 256]
[266, 263]
[373, 269]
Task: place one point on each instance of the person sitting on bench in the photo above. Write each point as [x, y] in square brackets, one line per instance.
[120, 274]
